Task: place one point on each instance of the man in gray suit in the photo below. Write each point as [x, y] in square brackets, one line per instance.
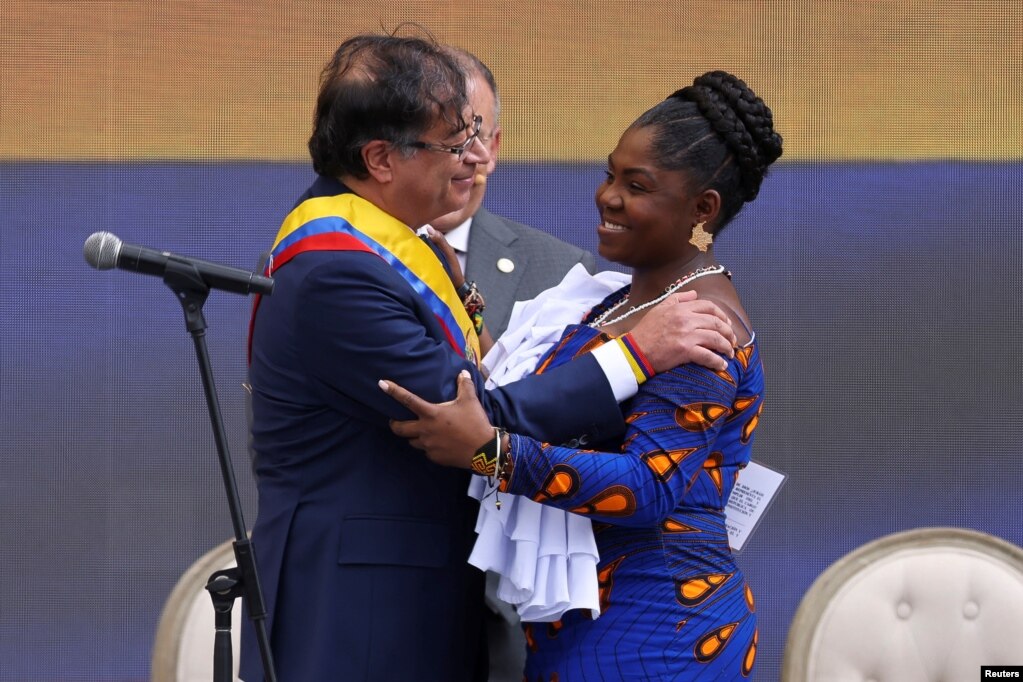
[508, 261]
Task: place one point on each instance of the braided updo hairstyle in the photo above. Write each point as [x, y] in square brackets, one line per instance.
[720, 134]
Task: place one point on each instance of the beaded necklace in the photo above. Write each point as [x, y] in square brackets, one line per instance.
[601, 320]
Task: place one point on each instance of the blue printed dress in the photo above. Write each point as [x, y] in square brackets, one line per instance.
[674, 605]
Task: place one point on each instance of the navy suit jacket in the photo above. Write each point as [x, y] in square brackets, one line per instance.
[539, 262]
[361, 542]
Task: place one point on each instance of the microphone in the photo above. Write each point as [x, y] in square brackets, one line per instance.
[104, 251]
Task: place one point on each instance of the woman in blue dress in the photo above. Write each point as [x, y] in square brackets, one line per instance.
[674, 605]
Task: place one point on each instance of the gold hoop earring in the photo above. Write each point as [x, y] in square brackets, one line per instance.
[701, 239]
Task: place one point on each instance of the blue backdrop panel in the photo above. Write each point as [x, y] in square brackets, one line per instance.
[886, 298]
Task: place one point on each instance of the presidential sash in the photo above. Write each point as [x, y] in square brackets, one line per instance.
[347, 222]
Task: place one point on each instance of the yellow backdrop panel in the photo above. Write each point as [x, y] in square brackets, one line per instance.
[891, 79]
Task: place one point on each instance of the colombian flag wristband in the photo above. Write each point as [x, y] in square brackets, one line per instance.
[637, 361]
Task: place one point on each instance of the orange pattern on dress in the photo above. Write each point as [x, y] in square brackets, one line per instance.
[751, 425]
[670, 525]
[527, 630]
[712, 467]
[713, 643]
[606, 582]
[594, 343]
[665, 464]
[542, 367]
[749, 598]
[751, 655]
[725, 376]
[617, 500]
[561, 482]
[700, 416]
[742, 402]
[694, 591]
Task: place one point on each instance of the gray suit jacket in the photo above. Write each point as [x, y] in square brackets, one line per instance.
[540, 261]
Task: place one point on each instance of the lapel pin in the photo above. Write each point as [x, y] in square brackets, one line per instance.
[505, 265]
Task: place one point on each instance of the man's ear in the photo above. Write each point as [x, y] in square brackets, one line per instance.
[496, 144]
[495, 148]
[378, 156]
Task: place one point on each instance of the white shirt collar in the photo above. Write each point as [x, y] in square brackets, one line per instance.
[459, 240]
[459, 237]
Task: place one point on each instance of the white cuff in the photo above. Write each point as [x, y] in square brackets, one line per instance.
[616, 367]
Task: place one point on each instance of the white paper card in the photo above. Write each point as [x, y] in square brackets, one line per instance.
[752, 494]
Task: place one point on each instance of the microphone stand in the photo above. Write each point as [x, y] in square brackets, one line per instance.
[227, 585]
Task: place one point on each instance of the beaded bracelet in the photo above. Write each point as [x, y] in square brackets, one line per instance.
[492, 461]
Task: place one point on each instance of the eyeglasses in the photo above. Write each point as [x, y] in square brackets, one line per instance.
[459, 150]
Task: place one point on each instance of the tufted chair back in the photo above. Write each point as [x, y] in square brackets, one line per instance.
[925, 605]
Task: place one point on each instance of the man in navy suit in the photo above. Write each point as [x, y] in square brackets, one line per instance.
[360, 541]
[509, 261]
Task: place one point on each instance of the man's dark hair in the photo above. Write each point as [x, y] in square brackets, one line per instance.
[380, 87]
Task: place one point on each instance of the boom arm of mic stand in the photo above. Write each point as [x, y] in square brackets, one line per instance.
[192, 291]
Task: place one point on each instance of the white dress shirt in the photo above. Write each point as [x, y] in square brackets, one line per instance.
[459, 240]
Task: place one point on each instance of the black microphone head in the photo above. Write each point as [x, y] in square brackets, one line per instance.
[102, 249]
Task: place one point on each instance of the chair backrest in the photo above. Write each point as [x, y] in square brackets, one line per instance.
[183, 649]
[931, 604]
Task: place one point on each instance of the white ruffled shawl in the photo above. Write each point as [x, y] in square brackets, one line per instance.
[546, 557]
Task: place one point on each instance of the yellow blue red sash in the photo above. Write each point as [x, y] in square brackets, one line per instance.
[347, 222]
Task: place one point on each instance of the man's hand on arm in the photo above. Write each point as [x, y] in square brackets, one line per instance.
[683, 329]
